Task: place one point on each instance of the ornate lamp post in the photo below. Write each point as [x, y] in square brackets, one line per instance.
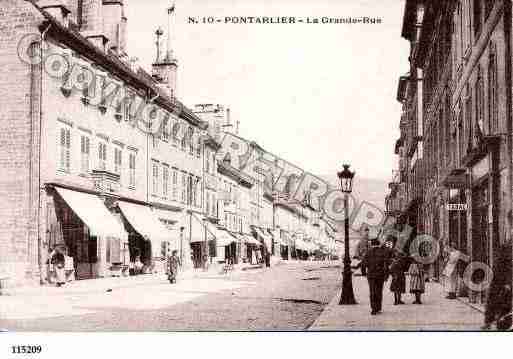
[346, 185]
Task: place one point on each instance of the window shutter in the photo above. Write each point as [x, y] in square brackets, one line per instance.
[68, 146]
[62, 147]
[115, 250]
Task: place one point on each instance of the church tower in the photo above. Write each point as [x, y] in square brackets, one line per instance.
[165, 65]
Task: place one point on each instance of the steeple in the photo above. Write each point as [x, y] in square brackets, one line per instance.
[165, 66]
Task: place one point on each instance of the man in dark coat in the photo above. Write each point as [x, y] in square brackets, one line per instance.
[377, 260]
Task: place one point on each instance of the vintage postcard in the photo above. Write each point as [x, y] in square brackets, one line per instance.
[255, 165]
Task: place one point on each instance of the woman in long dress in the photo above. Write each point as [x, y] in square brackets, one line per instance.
[417, 280]
[398, 284]
[58, 261]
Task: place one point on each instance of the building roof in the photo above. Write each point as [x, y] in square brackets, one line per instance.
[109, 61]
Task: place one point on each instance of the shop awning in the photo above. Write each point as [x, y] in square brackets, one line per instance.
[195, 228]
[249, 239]
[91, 210]
[176, 218]
[146, 223]
[222, 236]
[268, 240]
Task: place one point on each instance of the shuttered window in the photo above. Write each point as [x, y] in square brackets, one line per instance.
[102, 156]
[131, 168]
[65, 149]
[117, 160]
[85, 150]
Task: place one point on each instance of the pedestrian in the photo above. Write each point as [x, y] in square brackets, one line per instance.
[172, 266]
[376, 260]
[57, 259]
[450, 271]
[498, 305]
[398, 283]
[361, 250]
[417, 281]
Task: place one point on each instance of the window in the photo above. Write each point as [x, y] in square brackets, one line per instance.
[131, 165]
[195, 187]
[207, 204]
[190, 190]
[467, 126]
[480, 102]
[85, 150]
[174, 132]
[477, 21]
[183, 142]
[175, 184]
[102, 156]
[214, 205]
[155, 173]
[492, 92]
[213, 167]
[65, 149]
[207, 161]
[198, 145]
[165, 130]
[165, 180]
[191, 140]
[184, 188]
[117, 161]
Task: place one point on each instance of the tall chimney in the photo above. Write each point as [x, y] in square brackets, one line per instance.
[92, 22]
[123, 33]
[112, 19]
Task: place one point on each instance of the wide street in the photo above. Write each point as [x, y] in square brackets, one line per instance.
[286, 297]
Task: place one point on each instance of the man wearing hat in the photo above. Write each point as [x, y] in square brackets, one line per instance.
[377, 260]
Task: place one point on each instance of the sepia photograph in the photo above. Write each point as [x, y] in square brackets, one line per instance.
[255, 166]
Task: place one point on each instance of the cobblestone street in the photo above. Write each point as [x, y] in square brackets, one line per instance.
[286, 297]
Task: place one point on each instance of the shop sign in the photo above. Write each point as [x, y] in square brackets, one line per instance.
[456, 206]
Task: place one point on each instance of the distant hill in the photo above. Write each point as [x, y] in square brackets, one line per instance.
[364, 189]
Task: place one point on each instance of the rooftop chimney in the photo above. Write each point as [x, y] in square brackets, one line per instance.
[92, 22]
[112, 18]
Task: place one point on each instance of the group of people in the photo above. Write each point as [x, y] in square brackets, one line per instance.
[379, 261]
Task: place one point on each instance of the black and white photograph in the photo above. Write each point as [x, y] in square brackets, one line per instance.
[254, 166]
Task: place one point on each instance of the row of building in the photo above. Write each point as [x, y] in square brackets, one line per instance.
[454, 175]
[88, 175]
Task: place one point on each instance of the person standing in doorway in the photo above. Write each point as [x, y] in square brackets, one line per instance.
[57, 258]
[376, 260]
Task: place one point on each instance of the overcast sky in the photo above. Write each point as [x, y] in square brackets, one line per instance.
[317, 95]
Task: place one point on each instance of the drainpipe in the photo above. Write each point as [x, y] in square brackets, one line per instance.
[39, 239]
[507, 38]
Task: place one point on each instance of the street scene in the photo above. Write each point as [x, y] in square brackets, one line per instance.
[174, 166]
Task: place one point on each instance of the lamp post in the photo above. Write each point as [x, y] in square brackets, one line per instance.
[346, 185]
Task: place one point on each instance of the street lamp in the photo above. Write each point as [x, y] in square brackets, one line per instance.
[346, 185]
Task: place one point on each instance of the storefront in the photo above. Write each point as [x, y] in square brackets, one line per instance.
[149, 239]
[92, 235]
[484, 206]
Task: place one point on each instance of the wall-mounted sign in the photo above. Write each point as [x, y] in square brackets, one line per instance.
[456, 206]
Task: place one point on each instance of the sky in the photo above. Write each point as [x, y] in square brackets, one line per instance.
[317, 95]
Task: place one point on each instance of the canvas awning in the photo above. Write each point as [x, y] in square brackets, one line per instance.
[268, 240]
[91, 210]
[249, 239]
[146, 223]
[222, 236]
[195, 228]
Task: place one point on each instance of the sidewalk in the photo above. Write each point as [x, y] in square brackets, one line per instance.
[436, 312]
[100, 285]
